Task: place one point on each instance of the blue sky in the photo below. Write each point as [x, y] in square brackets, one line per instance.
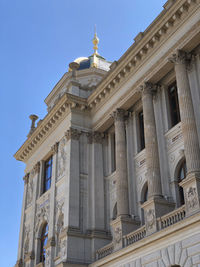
[38, 39]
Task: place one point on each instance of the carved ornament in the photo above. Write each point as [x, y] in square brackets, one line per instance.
[54, 148]
[72, 134]
[119, 114]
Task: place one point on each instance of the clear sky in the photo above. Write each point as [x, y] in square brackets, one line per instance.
[38, 39]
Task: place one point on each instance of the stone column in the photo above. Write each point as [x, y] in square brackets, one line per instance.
[191, 184]
[96, 191]
[51, 234]
[151, 143]
[21, 234]
[121, 164]
[156, 205]
[124, 224]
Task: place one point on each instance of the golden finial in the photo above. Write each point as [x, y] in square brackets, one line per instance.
[95, 42]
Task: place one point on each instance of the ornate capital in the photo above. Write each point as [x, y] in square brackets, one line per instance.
[148, 88]
[19, 263]
[54, 148]
[26, 178]
[119, 114]
[36, 168]
[180, 57]
[95, 137]
[72, 134]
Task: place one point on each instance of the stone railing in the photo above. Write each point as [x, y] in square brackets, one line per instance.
[105, 251]
[163, 222]
[134, 236]
[172, 217]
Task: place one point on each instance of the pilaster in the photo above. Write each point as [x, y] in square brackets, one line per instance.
[21, 234]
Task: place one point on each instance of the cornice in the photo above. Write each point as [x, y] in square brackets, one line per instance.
[141, 49]
[64, 106]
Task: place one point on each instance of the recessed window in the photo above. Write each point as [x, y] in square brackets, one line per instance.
[47, 174]
[44, 238]
[141, 131]
[181, 175]
[113, 153]
[173, 104]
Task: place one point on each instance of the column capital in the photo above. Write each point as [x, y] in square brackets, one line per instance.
[148, 88]
[36, 168]
[118, 114]
[180, 57]
[95, 137]
[26, 178]
[54, 148]
[72, 134]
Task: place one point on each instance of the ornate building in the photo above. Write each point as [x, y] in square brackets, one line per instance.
[112, 172]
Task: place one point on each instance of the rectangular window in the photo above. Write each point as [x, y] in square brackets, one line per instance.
[173, 104]
[47, 174]
[113, 153]
[141, 131]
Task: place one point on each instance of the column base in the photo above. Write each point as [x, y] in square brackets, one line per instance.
[191, 189]
[153, 209]
[120, 227]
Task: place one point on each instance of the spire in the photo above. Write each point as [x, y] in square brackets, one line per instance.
[95, 42]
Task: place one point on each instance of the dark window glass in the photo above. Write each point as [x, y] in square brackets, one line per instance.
[173, 104]
[181, 176]
[146, 194]
[44, 237]
[141, 130]
[47, 174]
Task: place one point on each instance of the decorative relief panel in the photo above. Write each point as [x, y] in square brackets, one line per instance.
[191, 198]
[30, 186]
[42, 214]
[62, 157]
[59, 224]
[26, 239]
[150, 219]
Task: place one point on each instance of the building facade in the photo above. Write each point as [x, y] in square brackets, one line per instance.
[112, 172]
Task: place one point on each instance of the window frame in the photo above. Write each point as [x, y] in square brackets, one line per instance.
[48, 164]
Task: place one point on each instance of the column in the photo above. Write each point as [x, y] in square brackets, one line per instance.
[96, 191]
[156, 205]
[151, 143]
[51, 235]
[121, 164]
[123, 224]
[191, 184]
[21, 234]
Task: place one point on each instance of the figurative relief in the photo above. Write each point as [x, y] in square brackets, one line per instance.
[59, 226]
[150, 219]
[117, 235]
[26, 240]
[62, 158]
[30, 191]
[191, 197]
[42, 215]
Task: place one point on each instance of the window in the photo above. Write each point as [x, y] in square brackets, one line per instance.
[47, 174]
[181, 175]
[141, 131]
[113, 153]
[173, 104]
[44, 237]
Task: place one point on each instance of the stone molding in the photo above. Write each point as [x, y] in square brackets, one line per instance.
[65, 104]
[137, 53]
[54, 148]
[72, 133]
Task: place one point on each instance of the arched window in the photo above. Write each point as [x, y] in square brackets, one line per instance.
[181, 175]
[44, 237]
[115, 211]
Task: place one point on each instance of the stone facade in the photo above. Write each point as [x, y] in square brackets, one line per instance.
[112, 202]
